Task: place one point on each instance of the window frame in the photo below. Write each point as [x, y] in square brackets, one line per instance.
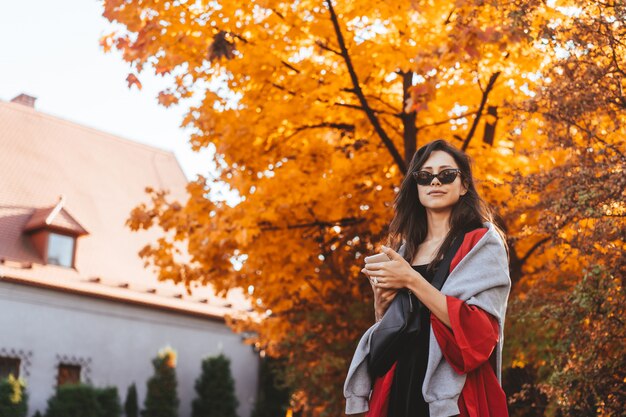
[9, 358]
[52, 233]
[68, 366]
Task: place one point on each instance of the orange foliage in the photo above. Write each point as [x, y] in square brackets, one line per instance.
[314, 109]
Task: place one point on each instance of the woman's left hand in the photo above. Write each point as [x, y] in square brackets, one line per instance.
[394, 274]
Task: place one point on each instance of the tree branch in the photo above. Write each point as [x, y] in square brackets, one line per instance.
[341, 126]
[348, 221]
[481, 107]
[291, 67]
[442, 122]
[533, 248]
[359, 93]
[326, 47]
[382, 101]
[354, 106]
[408, 119]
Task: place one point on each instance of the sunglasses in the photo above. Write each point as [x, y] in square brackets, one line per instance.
[447, 176]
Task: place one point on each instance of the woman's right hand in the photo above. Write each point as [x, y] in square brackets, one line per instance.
[382, 297]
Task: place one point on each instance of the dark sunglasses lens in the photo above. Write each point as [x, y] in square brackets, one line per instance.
[447, 177]
[424, 178]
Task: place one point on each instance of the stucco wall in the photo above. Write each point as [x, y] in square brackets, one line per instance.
[117, 341]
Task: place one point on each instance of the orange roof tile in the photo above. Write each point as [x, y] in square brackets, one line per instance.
[102, 177]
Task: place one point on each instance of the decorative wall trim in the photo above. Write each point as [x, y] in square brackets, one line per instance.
[84, 362]
[25, 358]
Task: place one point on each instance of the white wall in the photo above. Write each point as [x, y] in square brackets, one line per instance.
[119, 340]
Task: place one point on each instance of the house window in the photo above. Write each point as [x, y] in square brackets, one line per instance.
[9, 365]
[60, 249]
[68, 374]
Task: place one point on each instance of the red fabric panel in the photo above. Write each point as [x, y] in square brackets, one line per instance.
[482, 395]
[471, 340]
[467, 348]
[379, 400]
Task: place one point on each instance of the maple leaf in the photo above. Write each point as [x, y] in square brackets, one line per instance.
[167, 99]
[132, 79]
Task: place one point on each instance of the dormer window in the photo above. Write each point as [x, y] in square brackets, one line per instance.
[53, 233]
[61, 249]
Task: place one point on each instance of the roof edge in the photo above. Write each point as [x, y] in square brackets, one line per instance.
[109, 135]
[120, 300]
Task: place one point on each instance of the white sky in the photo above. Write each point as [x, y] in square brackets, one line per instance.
[50, 50]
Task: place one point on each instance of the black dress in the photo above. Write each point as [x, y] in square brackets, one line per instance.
[405, 397]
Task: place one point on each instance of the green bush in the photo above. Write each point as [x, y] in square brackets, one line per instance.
[109, 401]
[82, 400]
[13, 397]
[215, 389]
[162, 398]
[74, 400]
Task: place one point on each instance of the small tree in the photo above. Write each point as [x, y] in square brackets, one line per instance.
[13, 397]
[131, 406]
[162, 399]
[215, 390]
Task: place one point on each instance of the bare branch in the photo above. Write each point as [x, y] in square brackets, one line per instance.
[382, 101]
[354, 106]
[359, 93]
[327, 48]
[291, 67]
[481, 107]
[408, 119]
[443, 122]
[341, 126]
[533, 248]
[348, 221]
[447, 21]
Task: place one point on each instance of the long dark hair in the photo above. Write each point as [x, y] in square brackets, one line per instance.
[409, 224]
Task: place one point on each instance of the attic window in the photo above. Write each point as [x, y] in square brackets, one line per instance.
[61, 249]
[54, 232]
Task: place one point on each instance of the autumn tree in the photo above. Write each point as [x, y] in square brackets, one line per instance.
[313, 110]
[572, 213]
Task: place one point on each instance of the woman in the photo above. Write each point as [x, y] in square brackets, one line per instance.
[453, 366]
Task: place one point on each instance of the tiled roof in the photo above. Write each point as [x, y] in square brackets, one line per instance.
[101, 178]
[54, 217]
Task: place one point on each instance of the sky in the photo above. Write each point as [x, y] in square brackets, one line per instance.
[50, 50]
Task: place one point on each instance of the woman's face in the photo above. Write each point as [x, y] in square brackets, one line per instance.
[438, 196]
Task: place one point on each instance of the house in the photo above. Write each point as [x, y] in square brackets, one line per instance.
[76, 302]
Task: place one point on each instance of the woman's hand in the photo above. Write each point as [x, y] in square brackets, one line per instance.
[398, 273]
[382, 297]
[394, 274]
